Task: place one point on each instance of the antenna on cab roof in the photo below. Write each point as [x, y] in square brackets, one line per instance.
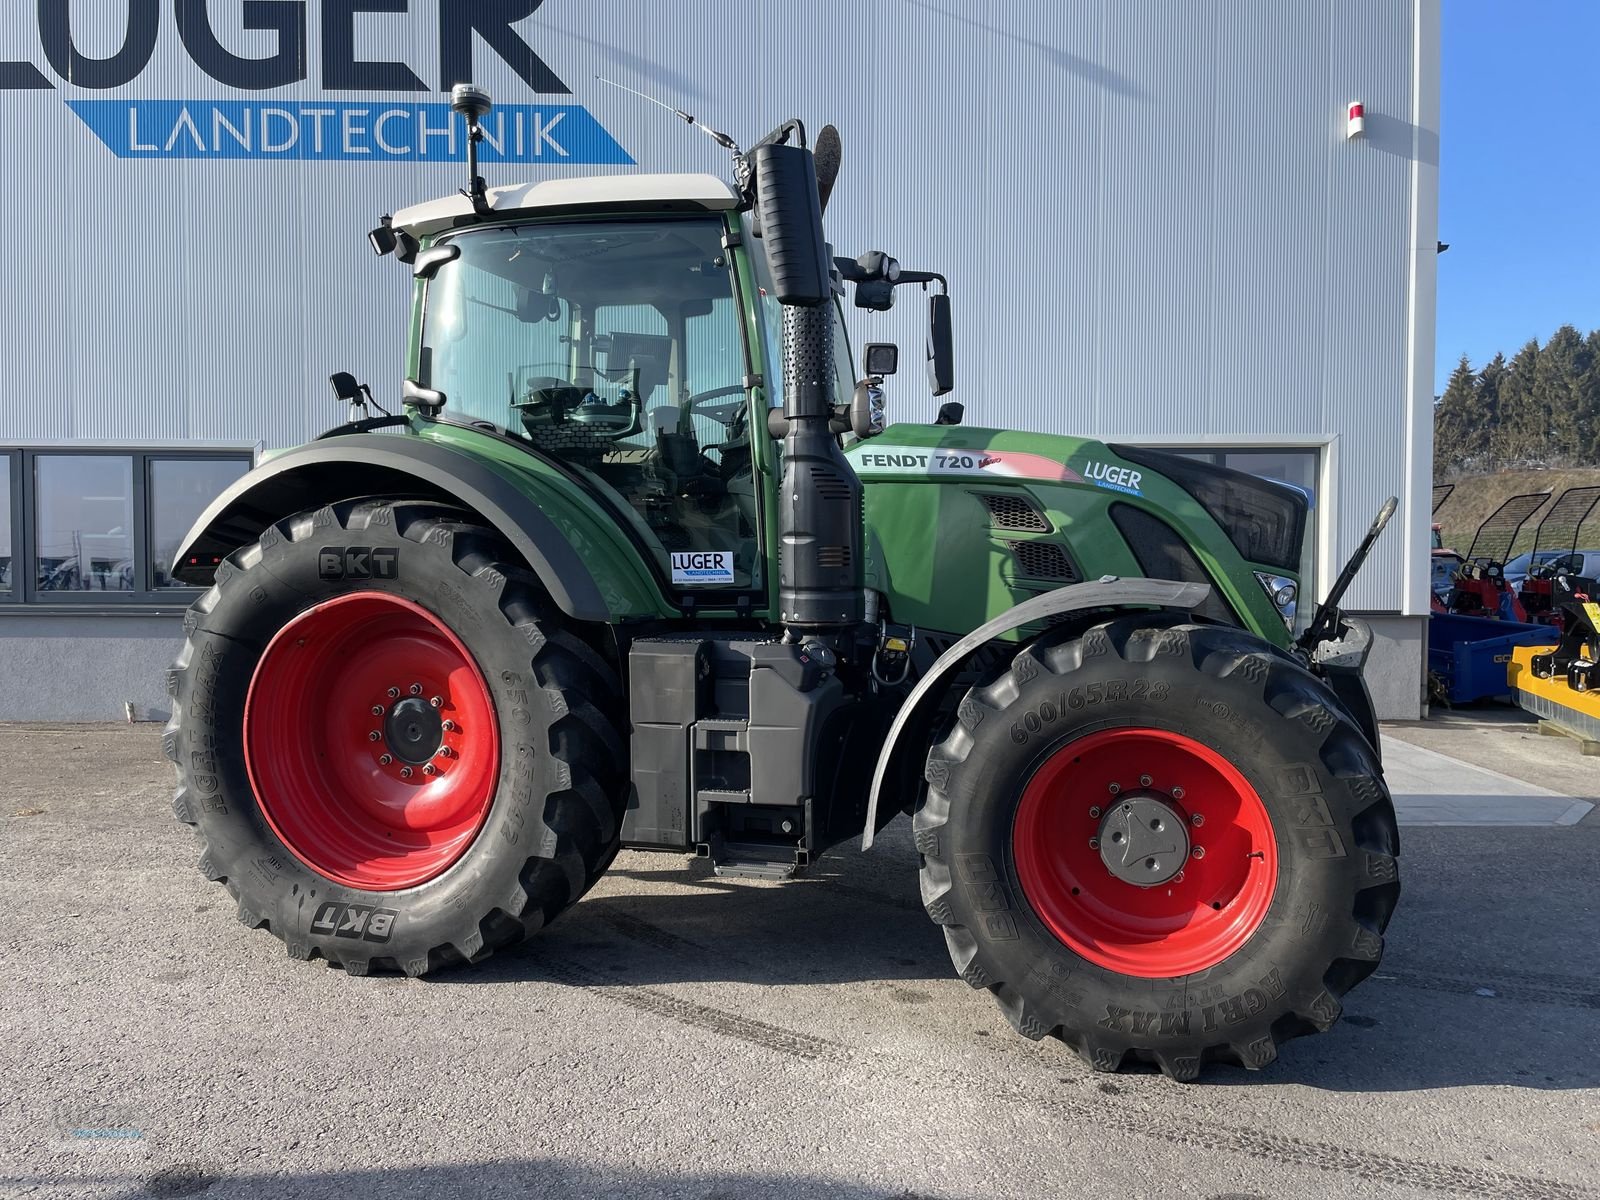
[721, 139]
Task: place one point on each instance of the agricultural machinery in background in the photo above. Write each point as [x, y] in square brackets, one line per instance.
[1558, 573]
[1488, 606]
[1478, 586]
[647, 567]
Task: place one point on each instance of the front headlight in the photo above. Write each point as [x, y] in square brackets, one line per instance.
[1282, 591]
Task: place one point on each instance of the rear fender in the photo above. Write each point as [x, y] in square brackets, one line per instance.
[374, 465]
[909, 733]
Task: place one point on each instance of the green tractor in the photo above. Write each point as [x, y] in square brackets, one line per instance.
[640, 566]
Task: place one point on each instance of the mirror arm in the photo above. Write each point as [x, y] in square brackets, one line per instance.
[924, 278]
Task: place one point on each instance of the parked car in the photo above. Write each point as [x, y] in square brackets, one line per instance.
[1585, 563]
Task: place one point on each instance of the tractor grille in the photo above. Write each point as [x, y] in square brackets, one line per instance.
[1042, 560]
[1014, 512]
[1163, 554]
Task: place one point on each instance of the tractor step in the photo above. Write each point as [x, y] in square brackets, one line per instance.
[772, 872]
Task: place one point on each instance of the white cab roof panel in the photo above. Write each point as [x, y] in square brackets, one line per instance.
[591, 191]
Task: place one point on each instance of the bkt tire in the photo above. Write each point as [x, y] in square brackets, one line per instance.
[1161, 842]
[393, 755]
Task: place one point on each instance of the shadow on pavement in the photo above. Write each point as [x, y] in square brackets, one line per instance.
[1423, 1021]
[520, 1177]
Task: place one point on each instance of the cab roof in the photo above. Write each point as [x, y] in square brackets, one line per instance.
[668, 191]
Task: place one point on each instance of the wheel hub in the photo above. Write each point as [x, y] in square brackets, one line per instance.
[413, 731]
[1143, 840]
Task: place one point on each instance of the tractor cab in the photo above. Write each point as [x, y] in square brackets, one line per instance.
[617, 348]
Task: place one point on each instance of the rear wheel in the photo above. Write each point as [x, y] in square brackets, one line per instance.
[1159, 841]
[394, 755]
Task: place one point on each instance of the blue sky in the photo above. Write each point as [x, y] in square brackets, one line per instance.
[1519, 175]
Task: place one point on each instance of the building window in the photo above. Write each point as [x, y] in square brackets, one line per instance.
[100, 527]
[180, 489]
[6, 508]
[83, 526]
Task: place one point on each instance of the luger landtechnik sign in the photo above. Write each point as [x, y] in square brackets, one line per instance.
[353, 130]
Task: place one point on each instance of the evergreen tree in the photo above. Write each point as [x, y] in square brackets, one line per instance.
[1588, 403]
[1487, 411]
[1541, 407]
[1457, 436]
[1523, 434]
[1562, 363]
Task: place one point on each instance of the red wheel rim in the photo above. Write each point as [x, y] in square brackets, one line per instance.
[1191, 922]
[352, 772]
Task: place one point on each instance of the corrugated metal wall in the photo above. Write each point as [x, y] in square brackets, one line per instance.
[1152, 222]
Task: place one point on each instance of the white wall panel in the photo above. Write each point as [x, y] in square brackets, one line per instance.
[1152, 222]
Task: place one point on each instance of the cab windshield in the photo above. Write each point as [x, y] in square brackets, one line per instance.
[617, 348]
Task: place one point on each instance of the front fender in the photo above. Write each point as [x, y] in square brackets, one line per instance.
[907, 734]
[374, 465]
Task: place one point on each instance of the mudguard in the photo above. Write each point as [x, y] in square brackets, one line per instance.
[375, 465]
[1105, 593]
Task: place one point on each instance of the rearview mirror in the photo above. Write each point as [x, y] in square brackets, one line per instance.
[941, 345]
[880, 358]
[427, 263]
[866, 410]
[791, 223]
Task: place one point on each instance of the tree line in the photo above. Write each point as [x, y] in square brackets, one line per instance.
[1540, 408]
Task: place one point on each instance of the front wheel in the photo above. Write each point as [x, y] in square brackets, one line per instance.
[1159, 841]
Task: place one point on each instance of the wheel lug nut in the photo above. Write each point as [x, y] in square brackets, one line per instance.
[377, 710]
[449, 726]
[1177, 793]
[1094, 810]
[386, 759]
[1197, 820]
[374, 736]
[1199, 851]
[1094, 843]
[1144, 781]
[394, 693]
[430, 769]
[445, 752]
[416, 689]
[436, 701]
[1178, 878]
[1115, 788]
[405, 772]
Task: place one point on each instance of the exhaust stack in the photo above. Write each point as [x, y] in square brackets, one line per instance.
[819, 512]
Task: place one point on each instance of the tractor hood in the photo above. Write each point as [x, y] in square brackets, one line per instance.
[1017, 513]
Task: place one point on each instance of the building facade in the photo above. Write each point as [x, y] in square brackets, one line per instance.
[1156, 225]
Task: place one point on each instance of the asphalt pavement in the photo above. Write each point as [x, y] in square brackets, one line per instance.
[677, 1035]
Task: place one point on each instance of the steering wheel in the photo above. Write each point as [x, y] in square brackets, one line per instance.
[723, 414]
